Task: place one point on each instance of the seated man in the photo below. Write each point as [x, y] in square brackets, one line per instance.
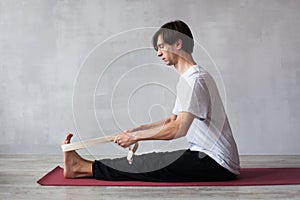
[198, 115]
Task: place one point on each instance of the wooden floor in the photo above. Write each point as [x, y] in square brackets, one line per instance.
[19, 173]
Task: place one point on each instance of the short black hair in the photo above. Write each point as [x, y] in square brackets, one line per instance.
[172, 31]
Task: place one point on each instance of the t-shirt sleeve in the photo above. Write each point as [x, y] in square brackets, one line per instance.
[193, 97]
[175, 109]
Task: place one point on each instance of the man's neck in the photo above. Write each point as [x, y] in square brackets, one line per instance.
[184, 63]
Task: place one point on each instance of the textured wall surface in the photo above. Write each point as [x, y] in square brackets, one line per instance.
[88, 67]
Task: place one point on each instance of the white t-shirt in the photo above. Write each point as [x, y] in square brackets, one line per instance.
[210, 131]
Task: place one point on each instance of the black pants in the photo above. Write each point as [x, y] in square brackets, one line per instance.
[176, 166]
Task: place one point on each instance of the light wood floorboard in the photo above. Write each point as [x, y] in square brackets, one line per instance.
[19, 173]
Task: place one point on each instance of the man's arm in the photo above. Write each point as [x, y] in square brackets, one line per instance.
[173, 129]
[153, 125]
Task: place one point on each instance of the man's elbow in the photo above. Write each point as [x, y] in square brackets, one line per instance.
[177, 131]
[180, 133]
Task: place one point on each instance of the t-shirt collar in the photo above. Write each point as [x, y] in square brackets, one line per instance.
[190, 71]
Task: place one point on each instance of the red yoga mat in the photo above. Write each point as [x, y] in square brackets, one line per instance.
[248, 176]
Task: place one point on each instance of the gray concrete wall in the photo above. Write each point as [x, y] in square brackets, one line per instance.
[88, 67]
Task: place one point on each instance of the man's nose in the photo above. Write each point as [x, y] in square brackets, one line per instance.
[159, 53]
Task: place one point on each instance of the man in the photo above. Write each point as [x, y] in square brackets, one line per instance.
[198, 114]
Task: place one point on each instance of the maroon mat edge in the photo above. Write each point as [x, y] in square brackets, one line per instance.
[77, 182]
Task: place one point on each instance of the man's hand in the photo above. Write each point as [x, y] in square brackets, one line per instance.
[125, 139]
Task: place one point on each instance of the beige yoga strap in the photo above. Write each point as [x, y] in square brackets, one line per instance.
[86, 143]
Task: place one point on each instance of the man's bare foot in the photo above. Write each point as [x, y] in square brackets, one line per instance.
[75, 166]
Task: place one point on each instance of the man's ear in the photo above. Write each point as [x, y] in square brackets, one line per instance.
[178, 44]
